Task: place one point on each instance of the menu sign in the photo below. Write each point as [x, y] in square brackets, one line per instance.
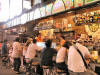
[42, 9]
[90, 1]
[78, 3]
[69, 4]
[45, 25]
[58, 7]
[48, 9]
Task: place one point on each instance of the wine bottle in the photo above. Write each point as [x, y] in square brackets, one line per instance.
[99, 17]
[88, 18]
[91, 18]
[95, 17]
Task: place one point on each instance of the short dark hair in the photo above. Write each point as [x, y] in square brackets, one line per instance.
[67, 44]
[48, 43]
[34, 40]
[17, 39]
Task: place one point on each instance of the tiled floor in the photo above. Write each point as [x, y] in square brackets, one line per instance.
[7, 71]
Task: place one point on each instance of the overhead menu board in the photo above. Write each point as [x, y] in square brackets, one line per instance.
[37, 14]
[58, 7]
[49, 9]
[78, 3]
[69, 4]
[90, 1]
[43, 10]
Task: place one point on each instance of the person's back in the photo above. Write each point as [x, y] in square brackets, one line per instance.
[47, 54]
[17, 51]
[75, 62]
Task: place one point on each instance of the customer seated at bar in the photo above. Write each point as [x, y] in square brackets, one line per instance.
[78, 59]
[61, 57]
[47, 54]
[31, 51]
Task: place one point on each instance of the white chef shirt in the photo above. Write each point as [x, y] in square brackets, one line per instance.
[75, 62]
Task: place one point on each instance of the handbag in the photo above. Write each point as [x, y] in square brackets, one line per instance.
[86, 66]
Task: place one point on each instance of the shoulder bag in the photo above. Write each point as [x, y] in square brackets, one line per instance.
[81, 56]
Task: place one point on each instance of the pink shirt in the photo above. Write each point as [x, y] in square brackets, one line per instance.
[17, 50]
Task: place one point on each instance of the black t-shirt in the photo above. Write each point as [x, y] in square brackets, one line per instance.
[47, 55]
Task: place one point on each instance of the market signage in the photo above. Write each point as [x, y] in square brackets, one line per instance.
[37, 14]
[90, 1]
[31, 15]
[58, 7]
[93, 27]
[45, 25]
[42, 10]
[69, 4]
[49, 9]
[78, 3]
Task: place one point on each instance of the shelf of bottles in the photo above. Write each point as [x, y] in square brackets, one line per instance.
[86, 18]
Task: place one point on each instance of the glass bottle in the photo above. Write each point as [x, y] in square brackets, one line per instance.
[95, 17]
[99, 17]
[91, 18]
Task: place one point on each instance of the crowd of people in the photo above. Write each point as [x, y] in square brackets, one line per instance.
[72, 57]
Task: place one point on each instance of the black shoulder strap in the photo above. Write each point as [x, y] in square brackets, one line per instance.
[81, 56]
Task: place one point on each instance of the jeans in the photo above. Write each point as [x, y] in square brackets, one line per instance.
[17, 63]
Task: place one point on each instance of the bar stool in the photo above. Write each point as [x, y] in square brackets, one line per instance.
[34, 67]
[60, 72]
[47, 70]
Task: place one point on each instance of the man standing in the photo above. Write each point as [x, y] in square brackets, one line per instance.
[4, 48]
[16, 54]
[75, 62]
[4, 51]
